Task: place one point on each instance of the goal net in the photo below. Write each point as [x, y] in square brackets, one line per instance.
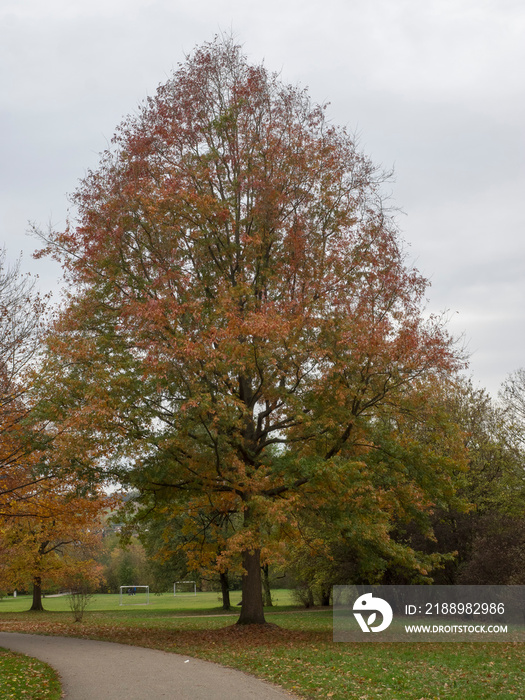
[134, 595]
[184, 588]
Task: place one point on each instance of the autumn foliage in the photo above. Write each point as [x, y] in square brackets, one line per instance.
[54, 543]
[22, 319]
[50, 522]
[242, 322]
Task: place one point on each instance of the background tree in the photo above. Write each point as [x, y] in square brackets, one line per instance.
[493, 485]
[241, 314]
[22, 321]
[124, 564]
[55, 543]
[180, 548]
[413, 466]
[512, 396]
[46, 518]
[497, 526]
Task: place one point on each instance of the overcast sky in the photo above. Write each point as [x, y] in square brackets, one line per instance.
[434, 89]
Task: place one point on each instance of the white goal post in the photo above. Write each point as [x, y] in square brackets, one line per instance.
[184, 588]
[134, 595]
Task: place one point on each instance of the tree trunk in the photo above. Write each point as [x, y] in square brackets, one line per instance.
[309, 598]
[37, 594]
[267, 594]
[225, 590]
[325, 595]
[252, 611]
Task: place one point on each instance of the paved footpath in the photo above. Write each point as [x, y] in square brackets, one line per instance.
[92, 670]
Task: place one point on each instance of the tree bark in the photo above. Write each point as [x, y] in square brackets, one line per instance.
[308, 597]
[37, 594]
[252, 611]
[225, 590]
[267, 593]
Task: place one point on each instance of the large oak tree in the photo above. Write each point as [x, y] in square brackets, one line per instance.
[241, 311]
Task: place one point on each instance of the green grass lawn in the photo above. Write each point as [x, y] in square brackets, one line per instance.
[202, 603]
[296, 652]
[25, 677]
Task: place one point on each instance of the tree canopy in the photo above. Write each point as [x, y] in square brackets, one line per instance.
[242, 323]
[48, 519]
[22, 321]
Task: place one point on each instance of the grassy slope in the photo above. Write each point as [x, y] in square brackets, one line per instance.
[297, 653]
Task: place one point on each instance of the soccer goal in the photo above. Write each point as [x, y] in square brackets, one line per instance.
[134, 595]
[184, 588]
